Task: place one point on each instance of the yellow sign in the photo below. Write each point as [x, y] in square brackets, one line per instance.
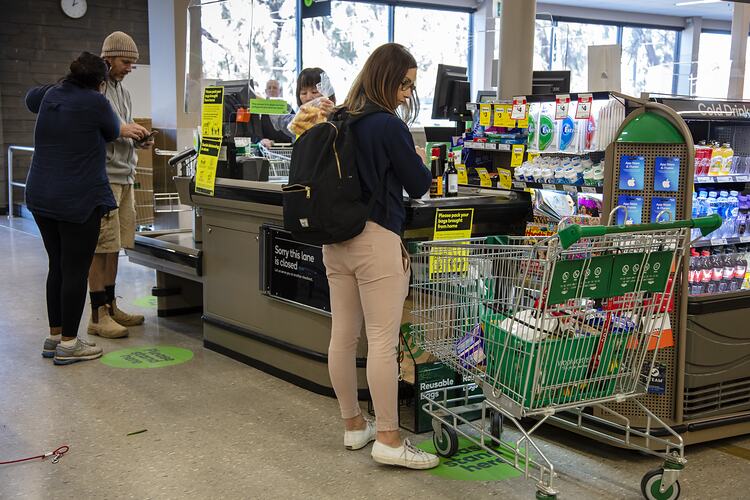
[463, 178]
[208, 157]
[484, 177]
[485, 115]
[451, 224]
[531, 156]
[516, 159]
[212, 114]
[499, 109]
[504, 116]
[504, 178]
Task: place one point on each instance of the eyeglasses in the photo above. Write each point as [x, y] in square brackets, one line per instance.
[407, 84]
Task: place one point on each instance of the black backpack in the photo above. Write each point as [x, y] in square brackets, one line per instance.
[323, 201]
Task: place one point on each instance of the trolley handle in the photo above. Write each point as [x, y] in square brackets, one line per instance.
[572, 234]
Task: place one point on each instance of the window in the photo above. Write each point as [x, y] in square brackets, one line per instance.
[542, 45]
[340, 44]
[229, 53]
[571, 52]
[433, 37]
[648, 57]
[713, 65]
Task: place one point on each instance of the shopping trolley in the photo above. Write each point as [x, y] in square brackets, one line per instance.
[546, 327]
[279, 156]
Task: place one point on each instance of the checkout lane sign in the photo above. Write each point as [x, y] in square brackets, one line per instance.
[212, 113]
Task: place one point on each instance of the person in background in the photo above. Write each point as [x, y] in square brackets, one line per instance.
[368, 275]
[68, 192]
[279, 122]
[118, 227]
[314, 108]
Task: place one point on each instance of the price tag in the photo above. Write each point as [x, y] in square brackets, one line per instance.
[519, 185]
[703, 179]
[516, 159]
[588, 189]
[502, 118]
[462, 177]
[718, 241]
[583, 109]
[479, 145]
[532, 156]
[504, 178]
[490, 145]
[723, 179]
[562, 103]
[498, 115]
[745, 239]
[743, 178]
[470, 106]
[485, 115]
[568, 188]
[484, 177]
[520, 110]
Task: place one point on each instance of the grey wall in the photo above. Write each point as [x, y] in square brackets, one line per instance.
[37, 43]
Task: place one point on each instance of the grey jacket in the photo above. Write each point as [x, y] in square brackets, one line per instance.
[121, 157]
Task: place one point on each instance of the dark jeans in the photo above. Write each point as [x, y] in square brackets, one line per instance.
[70, 248]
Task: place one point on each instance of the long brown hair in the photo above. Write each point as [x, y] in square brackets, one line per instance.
[380, 80]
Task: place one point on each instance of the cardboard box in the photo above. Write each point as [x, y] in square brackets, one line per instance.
[144, 197]
[144, 179]
[144, 214]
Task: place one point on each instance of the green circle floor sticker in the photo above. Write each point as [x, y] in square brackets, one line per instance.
[147, 302]
[147, 357]
[472, 463]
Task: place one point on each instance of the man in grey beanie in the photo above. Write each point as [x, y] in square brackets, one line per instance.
[118, 228]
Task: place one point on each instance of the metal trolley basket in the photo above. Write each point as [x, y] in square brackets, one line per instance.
[546, 326]
[279, 156]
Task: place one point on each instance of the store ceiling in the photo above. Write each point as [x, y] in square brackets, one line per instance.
[721, 10]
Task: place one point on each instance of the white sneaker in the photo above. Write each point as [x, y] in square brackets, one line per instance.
[354, 440]
[406, 455]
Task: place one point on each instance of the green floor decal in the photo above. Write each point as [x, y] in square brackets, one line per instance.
[471, 463]
[147, 357]
[148, 302]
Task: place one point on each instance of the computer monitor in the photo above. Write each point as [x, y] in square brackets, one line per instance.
[550, 82]
[485, 96]
[237, 93]
[452, 92]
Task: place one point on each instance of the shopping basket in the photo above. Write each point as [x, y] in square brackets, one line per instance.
[548, 325]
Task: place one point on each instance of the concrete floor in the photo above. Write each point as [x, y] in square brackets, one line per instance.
[219, 429]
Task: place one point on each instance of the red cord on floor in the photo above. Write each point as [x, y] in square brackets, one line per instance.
[58, 453]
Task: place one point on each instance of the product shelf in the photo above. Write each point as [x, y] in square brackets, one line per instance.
[570, 153]
[569, 188]
[718, 242]
[488, 146]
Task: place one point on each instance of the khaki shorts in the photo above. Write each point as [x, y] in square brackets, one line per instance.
[118, 227]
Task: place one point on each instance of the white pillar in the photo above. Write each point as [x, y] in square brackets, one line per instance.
[517, 24]
[687, 73]
[740, 27]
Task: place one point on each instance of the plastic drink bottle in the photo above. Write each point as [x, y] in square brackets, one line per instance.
[717, 158]
[727, 275]
[706, 271]
[740, 268]
[722, 205]
[727, 159]
[733, 212]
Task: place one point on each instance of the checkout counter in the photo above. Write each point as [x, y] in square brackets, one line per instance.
[265, 297]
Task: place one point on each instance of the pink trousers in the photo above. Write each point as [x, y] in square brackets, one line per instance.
[369, 281]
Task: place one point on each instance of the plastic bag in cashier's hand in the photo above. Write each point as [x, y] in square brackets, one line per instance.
[315, 111]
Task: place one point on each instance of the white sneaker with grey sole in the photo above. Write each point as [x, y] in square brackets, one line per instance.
[79, 352]
[406, 455]
[355, 440]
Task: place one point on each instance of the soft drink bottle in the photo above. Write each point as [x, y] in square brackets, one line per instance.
[717, 273]
[727, 275]
[740, 269]
[717, 159]
[727, 159]
[706, 271]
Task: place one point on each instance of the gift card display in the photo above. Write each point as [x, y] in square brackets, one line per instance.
[632, 170]
[666, 205]
[666, 173]
[634, 204]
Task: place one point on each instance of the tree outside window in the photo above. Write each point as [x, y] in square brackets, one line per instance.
[648, 60]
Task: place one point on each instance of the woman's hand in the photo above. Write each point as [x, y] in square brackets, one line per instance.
[422, 154]
[326, 105]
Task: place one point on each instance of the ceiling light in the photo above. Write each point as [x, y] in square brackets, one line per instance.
[696, 2]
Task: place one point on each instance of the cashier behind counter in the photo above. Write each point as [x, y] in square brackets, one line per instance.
[259, 127]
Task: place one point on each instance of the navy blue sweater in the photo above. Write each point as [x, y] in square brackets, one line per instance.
[385, 148]
[68, 180]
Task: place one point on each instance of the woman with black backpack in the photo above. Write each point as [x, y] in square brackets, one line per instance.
[369, 274]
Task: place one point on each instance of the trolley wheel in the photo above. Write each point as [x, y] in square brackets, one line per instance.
[496, 425]
[650, 487]
[446, 442]
[540, 495]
